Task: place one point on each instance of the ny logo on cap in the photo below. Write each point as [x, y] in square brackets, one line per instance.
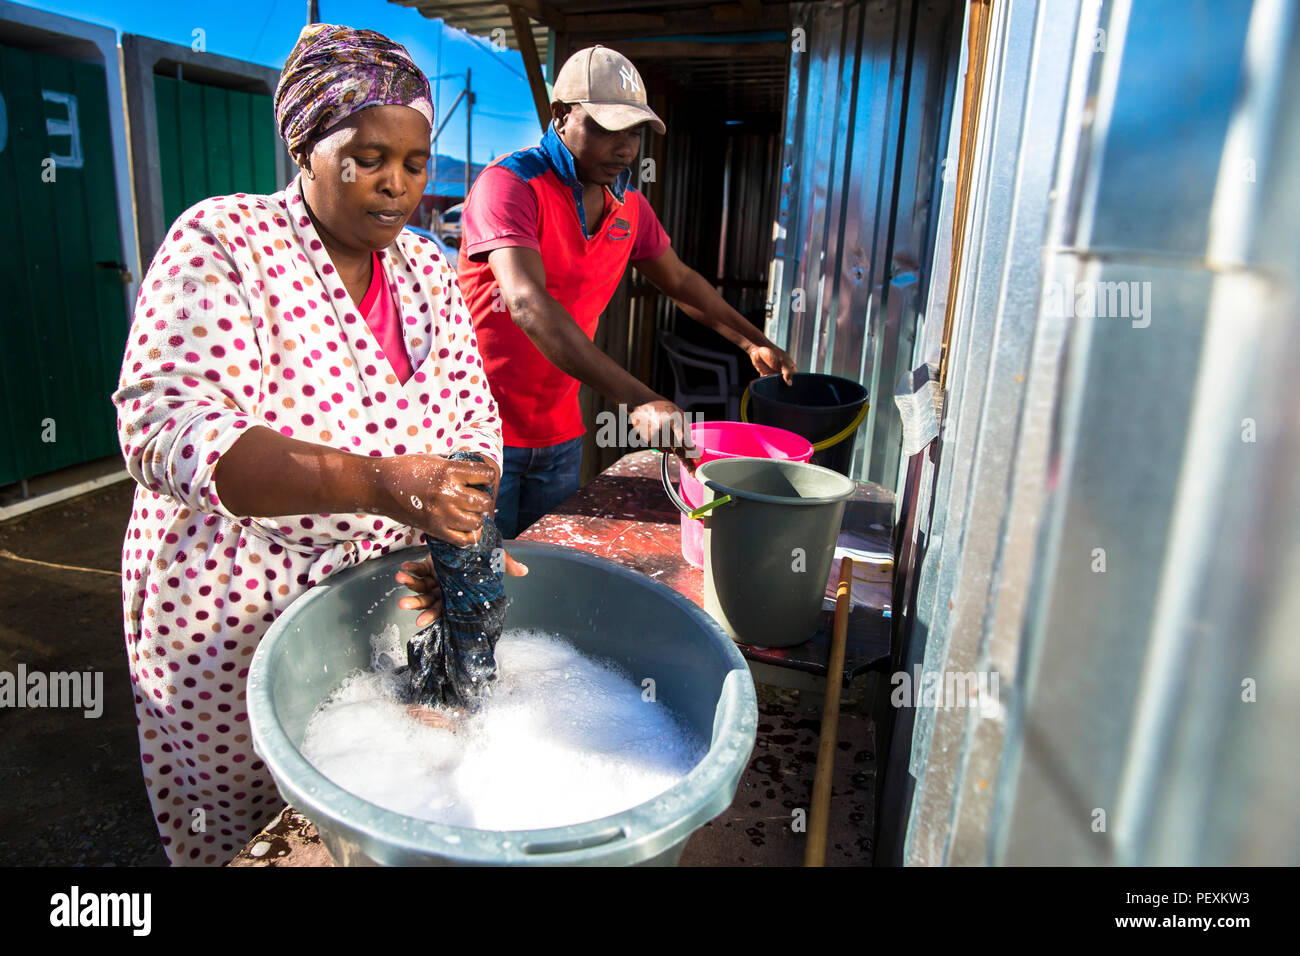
[628, 76]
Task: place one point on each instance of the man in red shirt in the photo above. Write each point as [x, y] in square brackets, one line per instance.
[547, 234]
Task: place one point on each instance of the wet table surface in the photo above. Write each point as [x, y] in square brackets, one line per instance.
[624, 515]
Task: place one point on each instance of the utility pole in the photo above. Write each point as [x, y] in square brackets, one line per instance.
[468, 97]
[469, 132]
[437, 113]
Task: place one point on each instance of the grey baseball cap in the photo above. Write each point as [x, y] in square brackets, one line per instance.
[608, 86]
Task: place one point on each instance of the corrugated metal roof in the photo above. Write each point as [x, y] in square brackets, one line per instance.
[481, 18]
[594, 20]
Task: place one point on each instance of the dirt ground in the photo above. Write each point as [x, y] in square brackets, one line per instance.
[71, 789]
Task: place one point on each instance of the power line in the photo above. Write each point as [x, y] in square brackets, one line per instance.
[252, 54]
[522, 117]
[493, 54]
[437, 90]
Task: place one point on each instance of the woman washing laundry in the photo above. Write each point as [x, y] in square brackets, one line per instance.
[297, 370]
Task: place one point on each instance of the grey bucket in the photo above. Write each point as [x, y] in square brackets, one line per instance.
[604, 609]
[756, 513]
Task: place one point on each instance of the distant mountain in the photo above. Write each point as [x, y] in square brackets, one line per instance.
[447, 176]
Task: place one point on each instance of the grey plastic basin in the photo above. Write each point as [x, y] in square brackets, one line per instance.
[605, 610]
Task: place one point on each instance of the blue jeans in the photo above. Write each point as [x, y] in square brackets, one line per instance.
[534, 481]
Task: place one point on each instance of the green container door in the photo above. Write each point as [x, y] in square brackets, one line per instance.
[64, 317]
[212, 142]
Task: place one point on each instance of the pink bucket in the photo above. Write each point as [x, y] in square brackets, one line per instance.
[731, 440]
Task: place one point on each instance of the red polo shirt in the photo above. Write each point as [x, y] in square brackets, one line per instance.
[533, 199]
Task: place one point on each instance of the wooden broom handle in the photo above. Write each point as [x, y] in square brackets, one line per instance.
[815, 851]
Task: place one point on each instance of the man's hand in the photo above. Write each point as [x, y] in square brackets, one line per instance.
[769, 360]
[662, 425]
[418, 576]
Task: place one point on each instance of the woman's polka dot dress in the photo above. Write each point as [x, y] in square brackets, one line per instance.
[242, 320]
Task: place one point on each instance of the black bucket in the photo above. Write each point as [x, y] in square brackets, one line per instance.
[825, 409]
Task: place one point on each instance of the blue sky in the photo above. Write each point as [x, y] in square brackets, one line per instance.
[264, 31]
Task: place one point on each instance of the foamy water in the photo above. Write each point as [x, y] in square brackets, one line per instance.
[563, 739]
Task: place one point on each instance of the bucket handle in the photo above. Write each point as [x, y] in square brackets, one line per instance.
[825, 443]
[680, 502]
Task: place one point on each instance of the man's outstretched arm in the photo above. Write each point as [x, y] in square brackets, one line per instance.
[701, 301]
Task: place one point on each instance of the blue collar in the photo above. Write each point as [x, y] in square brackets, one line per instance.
[561, 160]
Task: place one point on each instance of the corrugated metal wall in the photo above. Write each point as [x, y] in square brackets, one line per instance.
[717, 200]
[1110, 521]
[866, 120]
[1164, 690]
[830, 223]
[1001, 359]
[64, 317]
[212, 142]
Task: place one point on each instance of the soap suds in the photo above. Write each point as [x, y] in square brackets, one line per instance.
[563, 739]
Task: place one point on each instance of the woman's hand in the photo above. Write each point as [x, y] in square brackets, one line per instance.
[769, 360]
[435, 495]
[419, 577]
[496, 482]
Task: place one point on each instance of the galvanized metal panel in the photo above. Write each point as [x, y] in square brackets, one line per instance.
[1221, 604]
[862, 135]
[988, 232]
[1110, 535]
[958, 766]
[1125, 429]
[1247, 368]
[906, 256]
[65, 322]
[1076, 761]
[916, 484]
[1189, 102]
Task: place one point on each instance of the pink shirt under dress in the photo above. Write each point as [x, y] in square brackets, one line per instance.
[242, 321]
[381, 316]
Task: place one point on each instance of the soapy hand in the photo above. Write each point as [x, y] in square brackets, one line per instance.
[418, 576]
[433, 718]
[437, 495]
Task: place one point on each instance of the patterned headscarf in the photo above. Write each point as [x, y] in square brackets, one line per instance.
[333, 72]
